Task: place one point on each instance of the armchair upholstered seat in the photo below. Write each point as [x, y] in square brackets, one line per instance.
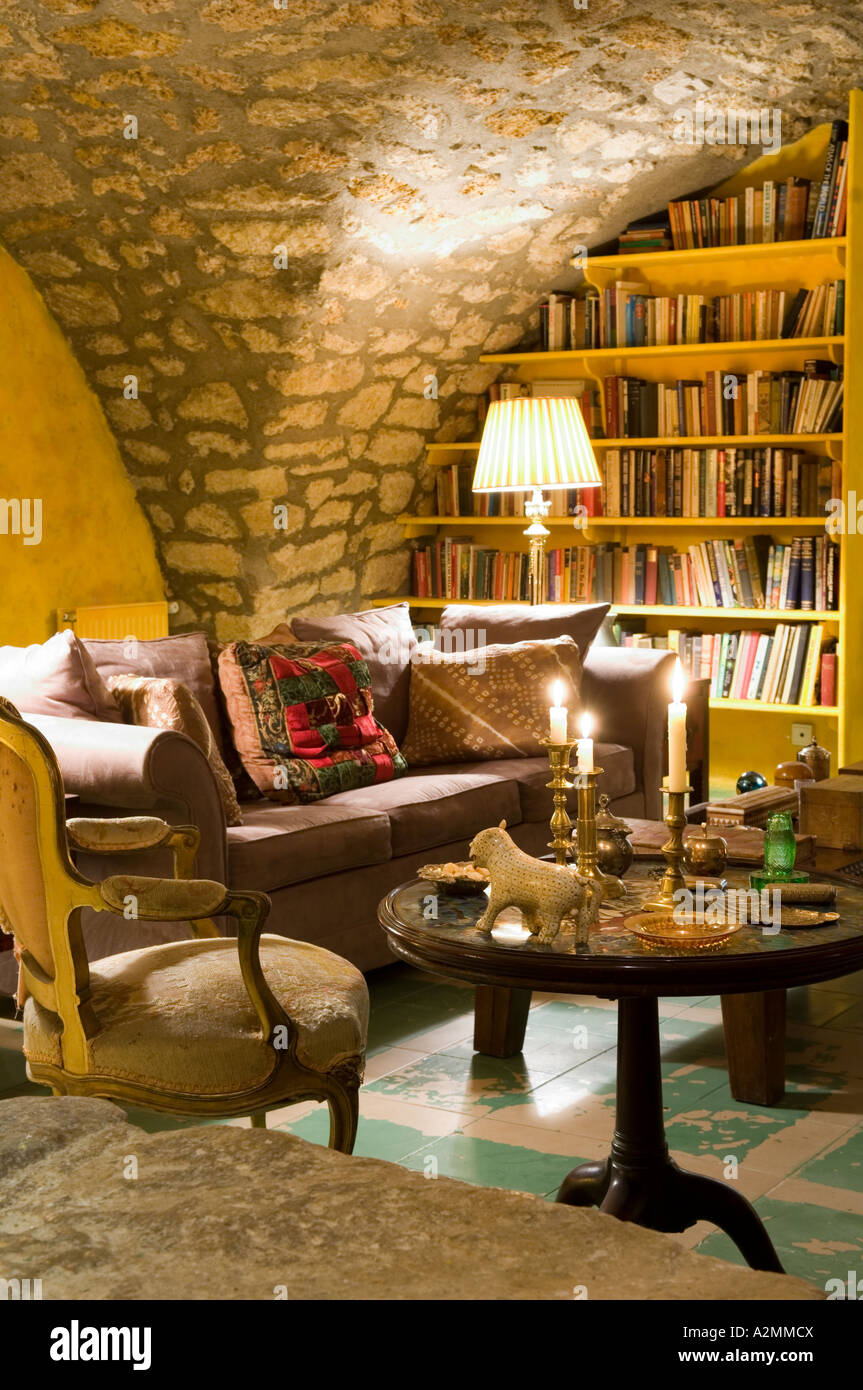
[218, 1026]
[178, 1016]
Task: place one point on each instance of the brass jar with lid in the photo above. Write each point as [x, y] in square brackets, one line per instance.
[614, 852]
[705, 852]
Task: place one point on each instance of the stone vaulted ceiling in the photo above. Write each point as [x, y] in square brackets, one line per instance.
[428, 168]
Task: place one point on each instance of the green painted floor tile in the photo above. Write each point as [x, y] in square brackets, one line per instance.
[814, 1243]
[565, 1018]
[375, 1138]
[460, 1083]
[818, 1007]
[851, 1017]
[687, 1039]
[488, 1164]
[398, 1023]
[727, 1126]
[394, 982]
[839, 1166]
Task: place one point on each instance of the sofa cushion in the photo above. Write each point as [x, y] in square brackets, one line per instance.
[185, 657]
[279, 845]
[490, 703]
[429, 808]
[158, 702]
[56, 677]
[179, 1017]
[385, 638]
[532, 775]
[303, 719]
[511, 622]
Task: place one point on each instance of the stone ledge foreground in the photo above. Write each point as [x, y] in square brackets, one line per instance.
[221, 1212]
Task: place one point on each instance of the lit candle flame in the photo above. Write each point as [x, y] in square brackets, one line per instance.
[678, 683]
[557, 694]
[586, 725]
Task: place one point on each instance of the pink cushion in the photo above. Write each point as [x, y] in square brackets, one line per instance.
[57, 677]
[509, 622]
[184, 658]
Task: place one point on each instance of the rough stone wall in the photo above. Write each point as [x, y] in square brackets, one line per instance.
[428, 169]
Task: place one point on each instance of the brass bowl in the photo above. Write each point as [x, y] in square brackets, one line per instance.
[660, 931]
[456, 880]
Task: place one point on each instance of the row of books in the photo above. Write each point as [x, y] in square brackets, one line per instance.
[790, 665]
[624, 316]
[793, 210]
[727, 404]
[753, 572]
[588, 398]
[454, 497]
[716, 482]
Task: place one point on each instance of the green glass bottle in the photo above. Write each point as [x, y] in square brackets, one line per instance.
[780, 852]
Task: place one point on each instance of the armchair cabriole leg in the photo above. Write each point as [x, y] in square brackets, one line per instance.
[344, 1106]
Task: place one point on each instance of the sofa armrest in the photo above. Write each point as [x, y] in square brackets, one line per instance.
[627, 690]
[159, 771]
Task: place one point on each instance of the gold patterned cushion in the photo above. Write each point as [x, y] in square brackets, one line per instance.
[178, 1016]
[158, 702]
[489, 703]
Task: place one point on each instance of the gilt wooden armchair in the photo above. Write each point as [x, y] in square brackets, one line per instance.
[189, 1027]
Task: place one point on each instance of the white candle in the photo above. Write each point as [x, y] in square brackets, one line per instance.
[677, 779]
[557, 714]
[584, 747]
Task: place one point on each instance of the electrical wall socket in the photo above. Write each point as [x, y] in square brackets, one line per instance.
[801, 734]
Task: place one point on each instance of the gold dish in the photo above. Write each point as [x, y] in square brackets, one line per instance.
[457, 879]
[661, 931]
[806, 917]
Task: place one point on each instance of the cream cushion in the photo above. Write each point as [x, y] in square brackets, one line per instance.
[178, 1016]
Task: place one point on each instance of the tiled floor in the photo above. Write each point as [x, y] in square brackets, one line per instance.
[431, 1104]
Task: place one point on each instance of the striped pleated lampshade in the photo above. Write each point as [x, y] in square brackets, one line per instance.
[535, 442]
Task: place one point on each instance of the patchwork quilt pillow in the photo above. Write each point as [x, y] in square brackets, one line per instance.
[303, 719]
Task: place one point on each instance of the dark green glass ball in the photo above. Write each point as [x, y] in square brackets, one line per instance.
[750, 782]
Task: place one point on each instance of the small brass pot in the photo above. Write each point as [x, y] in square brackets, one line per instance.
[614, 853]
[705, 853]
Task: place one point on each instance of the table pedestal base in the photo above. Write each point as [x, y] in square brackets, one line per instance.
[639, 1181]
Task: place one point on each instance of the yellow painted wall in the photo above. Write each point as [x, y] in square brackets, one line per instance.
[55, 444]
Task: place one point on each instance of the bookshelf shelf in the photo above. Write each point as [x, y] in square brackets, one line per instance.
[761, 615]
[760, 707]
[617, 523]
[752, 733]
[770, 348]
[756, 256]
[439, 454]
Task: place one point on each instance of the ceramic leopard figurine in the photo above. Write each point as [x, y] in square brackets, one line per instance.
[543, 892]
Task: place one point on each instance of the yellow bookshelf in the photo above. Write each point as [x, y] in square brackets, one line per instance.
[743, 732]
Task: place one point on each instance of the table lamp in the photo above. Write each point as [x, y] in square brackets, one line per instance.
[530, 443]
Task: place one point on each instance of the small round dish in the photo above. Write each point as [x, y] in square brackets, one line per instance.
[662, 932]
[806, 917]
[459, 880]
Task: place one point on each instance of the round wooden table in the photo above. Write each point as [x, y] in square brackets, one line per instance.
[639, 1181]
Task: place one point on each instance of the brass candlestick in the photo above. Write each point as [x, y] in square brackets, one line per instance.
[586, 861]
[560, 825]
[673, 879]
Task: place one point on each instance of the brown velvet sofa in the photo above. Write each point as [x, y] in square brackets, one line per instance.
[327, 865]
